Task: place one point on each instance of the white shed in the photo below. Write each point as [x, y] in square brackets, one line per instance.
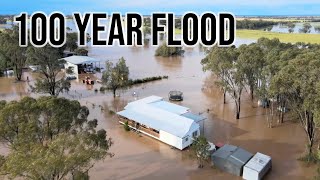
[162, 120]
[80, 64]
[257, 167]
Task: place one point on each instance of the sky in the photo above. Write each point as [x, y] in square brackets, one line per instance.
[179, 7]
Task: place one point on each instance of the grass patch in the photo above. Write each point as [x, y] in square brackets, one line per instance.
[284, 37]
[309, 158]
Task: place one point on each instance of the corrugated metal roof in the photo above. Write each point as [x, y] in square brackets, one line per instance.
[150, 112]
[170, 107]
[258, 161]
[234, 154]
[195, 117]
[80, 59]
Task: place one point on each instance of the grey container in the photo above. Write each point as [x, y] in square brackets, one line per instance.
[231, 159]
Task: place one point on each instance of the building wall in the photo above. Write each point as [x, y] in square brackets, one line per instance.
[171, 139]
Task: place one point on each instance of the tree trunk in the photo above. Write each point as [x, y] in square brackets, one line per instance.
[18, 72]
[114, 93]
[238, 108]
[224, 97]
[310, 129]
[251, 91]
[238, 115]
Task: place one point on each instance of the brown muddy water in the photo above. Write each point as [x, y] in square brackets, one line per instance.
[140, 157]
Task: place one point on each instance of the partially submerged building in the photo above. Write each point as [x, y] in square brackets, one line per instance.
[81, 65]
[167, 122]
[231, 159]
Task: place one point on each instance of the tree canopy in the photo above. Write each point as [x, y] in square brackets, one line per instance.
[49, 138]
[200, 147]
[283, 75]
[116, 75]
[166, 51]
[49, 61]
[10, 51]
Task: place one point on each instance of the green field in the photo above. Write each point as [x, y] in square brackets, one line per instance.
[284, 37]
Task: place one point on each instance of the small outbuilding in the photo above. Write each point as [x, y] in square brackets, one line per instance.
[231, 159]
[257, 167]
[81, 65]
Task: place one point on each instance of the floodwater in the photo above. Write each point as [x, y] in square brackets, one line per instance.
[284, 29]
[140, 157]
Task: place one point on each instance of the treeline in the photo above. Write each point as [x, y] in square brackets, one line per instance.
[132, 82]
[284, 76]
[145, 80]
[254, 24]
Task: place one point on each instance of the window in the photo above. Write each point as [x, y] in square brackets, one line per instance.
[195, 134]
[186, 139]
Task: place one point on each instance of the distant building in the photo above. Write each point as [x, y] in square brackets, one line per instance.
[167, 122]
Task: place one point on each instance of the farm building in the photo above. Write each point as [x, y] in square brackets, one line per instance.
[231, 159]
[167, 122]
[81, 65]
[257, 167]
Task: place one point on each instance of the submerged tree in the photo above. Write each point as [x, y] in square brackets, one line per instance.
[306, 28]
[299, 83]
[200, 147]
[49, 60]
[291, 27]
[50, 138]
[166, 51]
[251, 58]
[116, 76]
[222, 62]
[11, 52]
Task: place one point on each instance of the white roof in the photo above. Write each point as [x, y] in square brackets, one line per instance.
[153, 112]
[258, 162]
[80, 59]
[158, 102]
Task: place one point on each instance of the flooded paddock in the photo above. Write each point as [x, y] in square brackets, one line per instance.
[140, 157]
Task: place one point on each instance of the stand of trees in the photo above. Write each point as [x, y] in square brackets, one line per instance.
[285, 76]
[165, 51]
[50, 138]
[11, 54]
